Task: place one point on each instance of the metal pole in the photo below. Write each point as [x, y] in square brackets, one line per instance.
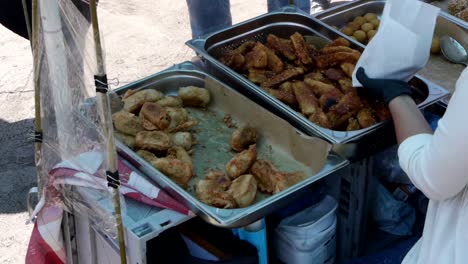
[101, 87]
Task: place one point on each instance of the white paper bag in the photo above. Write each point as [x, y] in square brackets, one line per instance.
[402, 44]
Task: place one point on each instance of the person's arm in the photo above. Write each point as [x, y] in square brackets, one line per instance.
[407, 118]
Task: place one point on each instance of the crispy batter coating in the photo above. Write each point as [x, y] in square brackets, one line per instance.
[153, 116]
[146, 155]
[135, 100]
[243, 190]
[300, 48]
[128, 140]
[127, 123]
[326, 61]
[285, 180]
[281, 77]
[259, 76]
[335, 49]
[320, 88]
[257, 58]
[171, 101]
[308, 103]
[194, 96]
[178, 152]
[186, 126]
[284, 96]
[243, 137]
[334, 74]
[315, 75]
[177, 116]
[346, 86]
[241, 162]
[213, 190]
[152, 141]
[321, 119]
[177, 170]
[234, 58]
[348, 68]
[381, 111]
[183, 139]
[348, 106]
[353, 124]
[282, 46]
[264, 172]
[366, 118]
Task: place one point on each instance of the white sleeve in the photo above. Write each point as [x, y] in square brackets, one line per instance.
[438, 164]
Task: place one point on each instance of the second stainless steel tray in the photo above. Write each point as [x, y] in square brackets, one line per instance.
[284, 23]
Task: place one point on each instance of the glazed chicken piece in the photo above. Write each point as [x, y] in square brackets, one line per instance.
[213, 190]
[273, 62]
[281, 77]
[326, 61]
[308, 103]
[285, 180]
[241, 162]
[152, 141]
[128, 140]
[348, 106]
[243, 190]
[300, 47]
[243, 137]
[353, 124]
[127, 123]
[282, 46]
[171, 101]
[154, 117]
[183, 139]
[264, 172]
[381, 111]
[194, 96]
[366, 118]
[177, 170]
[348, 68]
[259, 76]
[346, 86]
[134, 101]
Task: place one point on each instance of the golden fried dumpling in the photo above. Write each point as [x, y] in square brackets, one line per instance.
[135, 100]
[154, 117]
[152, 141]
[177, 170]
[244, 190]
[243, 137]
[241, 162]
[127, 123]
[183, 139]
[194, 96]
[172, 101]
[126, 139]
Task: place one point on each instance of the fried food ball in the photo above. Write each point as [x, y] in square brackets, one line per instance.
[347, 31]
[370, 16]
[360, 20]
[375, 22]
[360, 36]
[371, 34]
[244, 190]
[435, 46]
[194, 96]
[367, 27]
[354, 25]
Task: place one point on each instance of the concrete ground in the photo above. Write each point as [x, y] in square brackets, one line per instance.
[141, 37]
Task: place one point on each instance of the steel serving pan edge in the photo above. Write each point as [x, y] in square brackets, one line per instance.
[183, 74]
[290, 18]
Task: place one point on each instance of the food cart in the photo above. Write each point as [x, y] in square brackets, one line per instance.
[77, 134]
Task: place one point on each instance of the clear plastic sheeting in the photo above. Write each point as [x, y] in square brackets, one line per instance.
[74, 132]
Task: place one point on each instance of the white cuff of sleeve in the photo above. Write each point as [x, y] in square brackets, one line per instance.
[408, 147]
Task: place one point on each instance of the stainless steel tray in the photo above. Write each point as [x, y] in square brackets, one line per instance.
[185, 74]
[438, 70]
[284, 23]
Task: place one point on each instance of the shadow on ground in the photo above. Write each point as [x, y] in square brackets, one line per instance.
[17, 169]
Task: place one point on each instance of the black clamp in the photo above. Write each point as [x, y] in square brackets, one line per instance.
[113, 179]
[100, 81]
[37, 136]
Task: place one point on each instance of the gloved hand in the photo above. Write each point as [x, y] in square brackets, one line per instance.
[382, 89]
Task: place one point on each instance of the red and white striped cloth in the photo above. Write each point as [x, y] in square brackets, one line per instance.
[46, 243]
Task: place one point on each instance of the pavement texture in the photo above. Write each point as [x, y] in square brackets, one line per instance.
[141, 37]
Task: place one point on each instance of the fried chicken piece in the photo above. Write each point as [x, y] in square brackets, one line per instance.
[127, 123]
[152, 141]
[243, 190]
[328, 94]
[128, 140]
[234, 58]
[194, 96]
[334, 74]
[366, 118]
[300, 48]
[353, 124]
[264, 172]
[284, 96]
[346, 86]
[274, 63]
[243, 137]
[241, 162]
[257, 58]
[133, 102]
[178, 152]
[340, 42]
[259, 76]
[348, 106]
[308, 103]
[183, 139]
[213, 191]
[177, 115]
[220, 179]
[315, 75]
[186, 126]
[171, 101]
[321, 119]
[381, 111]
[335, 49]
[348, 68]
[325, 61]
[282, 46]
[154, 117]
[281, 77]
[285, 180]
[177, 170]
[146, 155]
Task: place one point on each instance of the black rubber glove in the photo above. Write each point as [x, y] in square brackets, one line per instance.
[382, 89]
